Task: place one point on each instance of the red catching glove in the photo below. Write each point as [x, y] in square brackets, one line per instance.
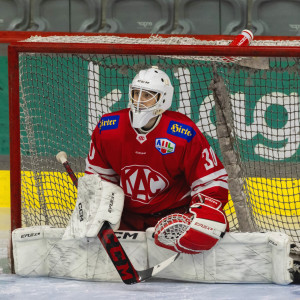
[193, 232]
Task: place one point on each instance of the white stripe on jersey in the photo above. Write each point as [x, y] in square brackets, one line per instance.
[211, 177]
[211, 184]
[185, 195]
[98, 170]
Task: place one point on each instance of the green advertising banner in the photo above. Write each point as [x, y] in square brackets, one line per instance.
[265, 104]
[74, 92]
[4, 127]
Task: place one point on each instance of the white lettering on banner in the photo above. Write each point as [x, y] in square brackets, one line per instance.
[142, 183]
[97, 108]
[289, 133]
[205, 124]
[184, 77]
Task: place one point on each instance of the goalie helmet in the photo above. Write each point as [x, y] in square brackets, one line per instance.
[155, 83]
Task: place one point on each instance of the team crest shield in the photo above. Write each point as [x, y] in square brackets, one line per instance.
[164, 146]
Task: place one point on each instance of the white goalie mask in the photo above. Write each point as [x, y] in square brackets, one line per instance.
[150, 94]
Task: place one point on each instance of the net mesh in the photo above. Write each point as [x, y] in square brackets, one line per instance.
[64, 95]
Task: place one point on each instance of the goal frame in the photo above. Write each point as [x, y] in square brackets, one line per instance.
[123, 49]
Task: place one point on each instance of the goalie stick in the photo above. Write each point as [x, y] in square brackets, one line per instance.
[113, 247]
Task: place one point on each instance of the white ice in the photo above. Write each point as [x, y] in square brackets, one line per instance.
[16, 287]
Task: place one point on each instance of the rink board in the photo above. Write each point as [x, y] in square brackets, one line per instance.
[4, 188]
[271, 196]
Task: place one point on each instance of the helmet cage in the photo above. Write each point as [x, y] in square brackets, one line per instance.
[140, 103]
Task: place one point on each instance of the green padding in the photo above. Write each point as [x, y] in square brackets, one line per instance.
[4, 128]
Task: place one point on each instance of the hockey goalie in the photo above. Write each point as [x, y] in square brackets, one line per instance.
[151, 170]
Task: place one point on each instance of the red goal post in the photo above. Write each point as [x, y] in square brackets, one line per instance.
[249, 111]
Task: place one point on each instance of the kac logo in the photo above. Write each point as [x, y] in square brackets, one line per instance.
[110, 122]
[164, 146]
[181, 130]
[142, 183]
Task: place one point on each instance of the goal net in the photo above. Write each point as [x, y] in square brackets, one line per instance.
[248, 110]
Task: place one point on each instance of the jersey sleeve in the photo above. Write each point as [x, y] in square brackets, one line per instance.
[204, 171]
[96, 162]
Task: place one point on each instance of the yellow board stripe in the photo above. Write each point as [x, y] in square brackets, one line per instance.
[4, 188]
[269, 196]
[55, 188]
[272, 196]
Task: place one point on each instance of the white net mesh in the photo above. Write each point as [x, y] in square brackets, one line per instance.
[152, 40]
[62, 97]
[158, 40]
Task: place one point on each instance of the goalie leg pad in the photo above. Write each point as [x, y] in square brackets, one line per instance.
[238, 258]
[40, 251]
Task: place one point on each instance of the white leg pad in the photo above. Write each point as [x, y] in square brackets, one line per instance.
[40, 251]
[237, 258]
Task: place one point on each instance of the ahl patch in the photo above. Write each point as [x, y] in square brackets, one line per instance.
[111, 122]
[164, 146]
[181, 130]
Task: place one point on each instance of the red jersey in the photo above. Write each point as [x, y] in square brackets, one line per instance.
[158, 170]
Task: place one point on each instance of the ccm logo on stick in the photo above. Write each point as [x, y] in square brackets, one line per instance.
[117, 254]
[126, 235]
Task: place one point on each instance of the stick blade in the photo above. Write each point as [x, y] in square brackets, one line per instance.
[144, 275]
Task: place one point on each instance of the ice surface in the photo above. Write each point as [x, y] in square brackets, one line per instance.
[15, 287]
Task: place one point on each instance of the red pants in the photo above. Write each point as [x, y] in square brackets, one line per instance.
[140, 222]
